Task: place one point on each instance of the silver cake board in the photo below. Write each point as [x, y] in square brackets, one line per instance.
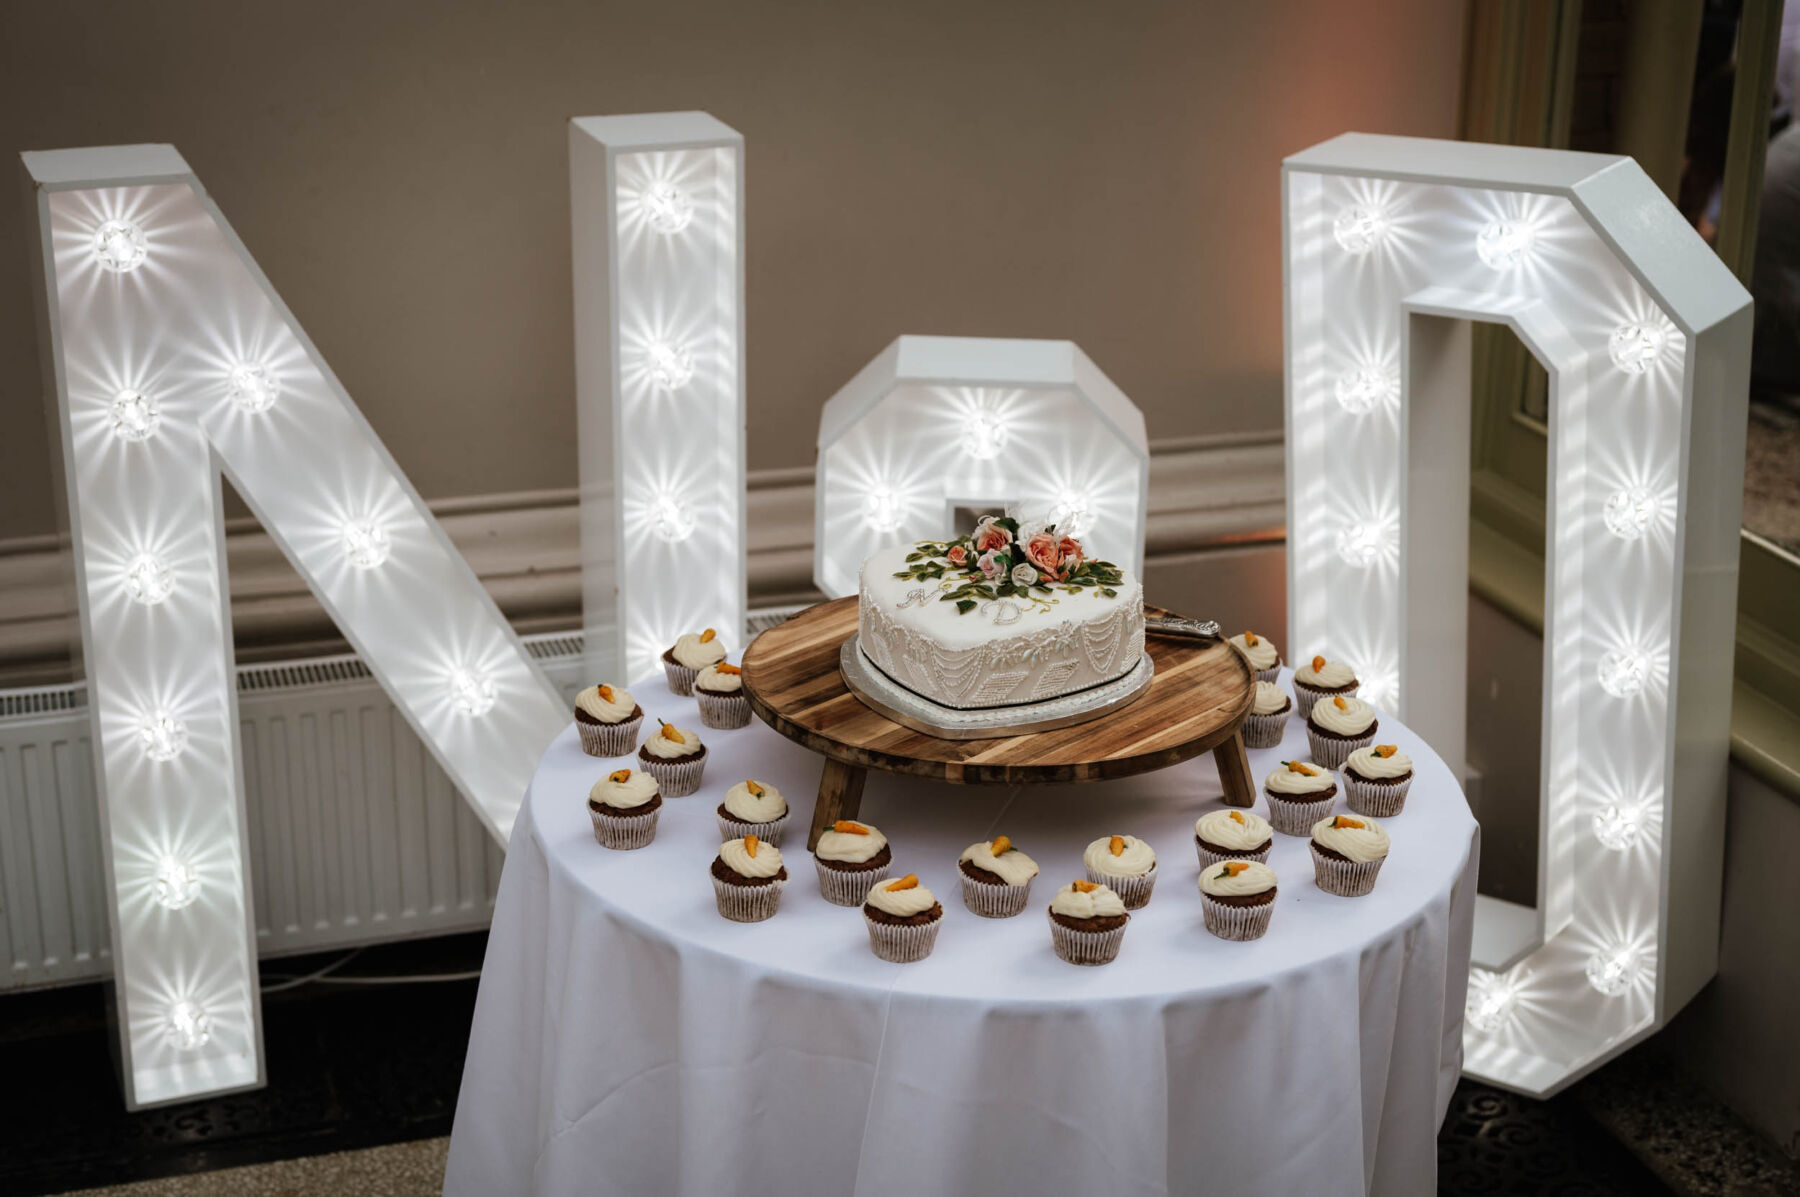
[882, 693]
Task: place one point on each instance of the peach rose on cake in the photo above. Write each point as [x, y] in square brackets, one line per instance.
[1072, 555]
[1043, 551]
[989, 535]
[958, 554]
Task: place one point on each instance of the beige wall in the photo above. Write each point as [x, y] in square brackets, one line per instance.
[1103, 172]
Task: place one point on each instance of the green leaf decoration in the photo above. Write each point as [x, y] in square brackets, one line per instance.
[964, 606]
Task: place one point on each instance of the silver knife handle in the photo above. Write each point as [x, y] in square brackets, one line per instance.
[1181, 625]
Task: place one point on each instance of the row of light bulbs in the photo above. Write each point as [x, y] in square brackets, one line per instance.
[1493, 1002]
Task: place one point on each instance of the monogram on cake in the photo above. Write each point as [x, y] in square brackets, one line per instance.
[1008, 614]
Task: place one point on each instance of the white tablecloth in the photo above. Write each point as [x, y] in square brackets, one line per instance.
[629, 1040]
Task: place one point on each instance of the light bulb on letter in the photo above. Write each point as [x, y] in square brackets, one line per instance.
[1503, 244]
[882, 510]
[189, 1026]
[162, 736]
[1359, 228]
[1629, 512]
[177, 884]
[134, 417]
[1364, 388]
[1622, 672]
[365, 543]
[667, 207]
[1617, 826]
[671, 366]
[148, 579]
[1612, 970]
[119, 246]
[253, 387]
[673, 520]
[473, 693]
[1636, 347]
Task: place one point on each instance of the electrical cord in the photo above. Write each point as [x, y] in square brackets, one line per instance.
[324, 976]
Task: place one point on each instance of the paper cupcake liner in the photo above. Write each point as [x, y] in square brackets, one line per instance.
[992, 901]
[1209, 858]
[1296, 818]
[723, 710]
[1305, 695]
[1133, 891]
[1331, 751]
[681, 678]
[610, 739]
[747, 903]
[1237, 923]
[1345, 878]
[1271, 674]
[1376, 800]
[768, 833]
[624, 831]
[675, 778]
[902, 944]
[1085, 947]
[1265, 731]
[842, 888]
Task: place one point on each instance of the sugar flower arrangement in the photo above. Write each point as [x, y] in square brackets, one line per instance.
[1000, 559]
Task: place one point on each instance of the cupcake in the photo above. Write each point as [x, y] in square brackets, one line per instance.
[1339, 726]
[748, 877]
[752, 808]
[623, 805]
[1299, 795]
[1125, 864]
[688, 656]
[1087, 923]
[1347, 854]
[1237, 897]
[719, 689]
[1223, 835]
[903, 919]
[608, 718]
[1268, 716]
[675, 757]
[851, 858]
[1261, 655]
[996, 878]
[1376, 780]
[1320, 678]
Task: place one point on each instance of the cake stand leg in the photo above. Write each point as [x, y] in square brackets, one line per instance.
[1234, 772]
[840, 796]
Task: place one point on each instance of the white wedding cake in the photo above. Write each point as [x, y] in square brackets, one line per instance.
[1003, 616]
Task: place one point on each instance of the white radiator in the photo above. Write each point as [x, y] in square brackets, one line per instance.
[355, 833]
[356, 836]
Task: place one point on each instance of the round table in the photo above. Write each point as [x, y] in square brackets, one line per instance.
[629, 1040]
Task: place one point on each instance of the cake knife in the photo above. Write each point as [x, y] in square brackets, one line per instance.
[1181, 627]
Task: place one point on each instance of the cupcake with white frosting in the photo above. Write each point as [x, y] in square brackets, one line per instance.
[903, 919]
[753, 808]
[675, 757]
[691, 653]
[851, 858]
[1223, 835]
[748, 878]
[1339, 726]
[1299, 795]
[1260, 652]
[1268, 716]
[1087, 923]
[1237, 899]
[1376, 779]
[1319, 678]
[719, 689]
[996, 878]
[623, 805]
[607, 718]
[1347, 854]
[1125, 864]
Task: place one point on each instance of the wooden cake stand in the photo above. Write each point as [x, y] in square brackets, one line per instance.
[1197, 701]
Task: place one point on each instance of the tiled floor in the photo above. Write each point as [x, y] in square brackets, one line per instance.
[363, 1085]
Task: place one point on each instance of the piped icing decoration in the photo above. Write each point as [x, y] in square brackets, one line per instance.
[1259, 652]
[1358, 839]
[720, 679]
[1236, 831]
[1270, 699]
[902, 898]
[1236, 879]
[1295, 777]
[697, 652]
[623, 789]
[751, 857]
[1381, 762]
[1345, 716]
[1000, 858]
[1325, 675]
[1133, 857]
[671, 743]
[608, 704]
[1086, 900]
[850, 843]
[753, 802]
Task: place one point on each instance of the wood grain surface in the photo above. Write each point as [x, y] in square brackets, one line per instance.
[1199, 697]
